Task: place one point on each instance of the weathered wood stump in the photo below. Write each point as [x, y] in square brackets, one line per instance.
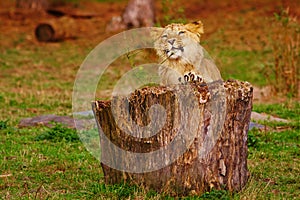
[56, 29]
[214, 155]
[138, 13]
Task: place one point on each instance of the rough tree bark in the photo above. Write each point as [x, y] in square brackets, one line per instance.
[223, 166]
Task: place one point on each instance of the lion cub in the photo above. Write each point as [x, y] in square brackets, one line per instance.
[182, 56]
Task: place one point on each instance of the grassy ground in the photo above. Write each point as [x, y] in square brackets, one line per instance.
[51, 163]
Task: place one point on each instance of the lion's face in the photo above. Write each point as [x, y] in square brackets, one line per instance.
[178, 41]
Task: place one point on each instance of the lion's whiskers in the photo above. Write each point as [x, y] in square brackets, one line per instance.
[166, 58]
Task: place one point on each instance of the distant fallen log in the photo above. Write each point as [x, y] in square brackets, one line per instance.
[71, 12]
[56, 30]
[216, 161]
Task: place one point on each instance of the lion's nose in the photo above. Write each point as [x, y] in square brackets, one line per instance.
[171, 41]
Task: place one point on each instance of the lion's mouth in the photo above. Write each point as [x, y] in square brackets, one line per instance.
[174, 52]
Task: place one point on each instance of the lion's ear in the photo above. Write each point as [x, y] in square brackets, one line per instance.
[195, 27]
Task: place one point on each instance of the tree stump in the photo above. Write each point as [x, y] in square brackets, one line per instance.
[220, 163]
[56, 29]
[138, 13]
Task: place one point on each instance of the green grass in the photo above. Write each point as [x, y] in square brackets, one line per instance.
[240, 64]
[52, 163]
[274, 155]
[61, 169]
[274, 164]
[288, 110]
[37, 79]
[235, 62]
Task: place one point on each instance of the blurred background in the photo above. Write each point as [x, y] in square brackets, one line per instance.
[254, 41]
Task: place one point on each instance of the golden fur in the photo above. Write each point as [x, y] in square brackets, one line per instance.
[178, 47]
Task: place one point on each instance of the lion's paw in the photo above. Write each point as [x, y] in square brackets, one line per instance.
[190, 77]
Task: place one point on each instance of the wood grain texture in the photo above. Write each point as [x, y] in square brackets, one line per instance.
[224, 166]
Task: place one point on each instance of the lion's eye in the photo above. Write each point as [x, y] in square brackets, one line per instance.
[181, 32]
